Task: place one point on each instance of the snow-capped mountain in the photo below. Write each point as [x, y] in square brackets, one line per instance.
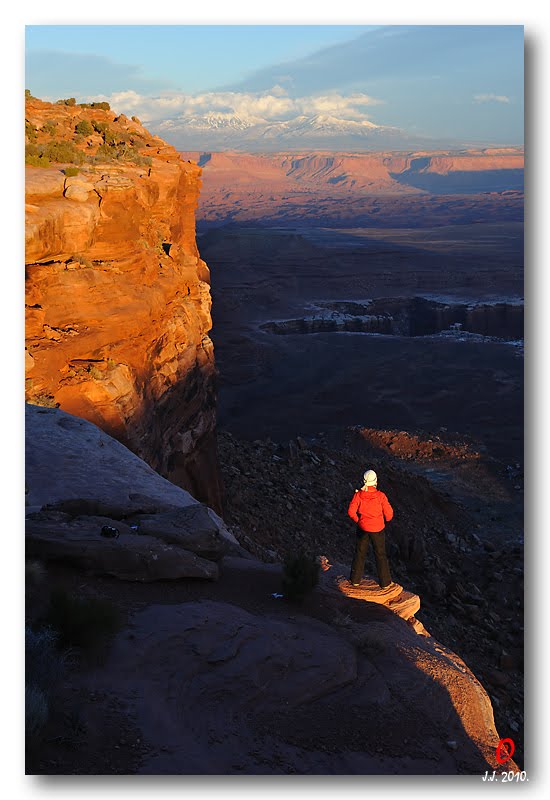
[229, 131]
[220, 121]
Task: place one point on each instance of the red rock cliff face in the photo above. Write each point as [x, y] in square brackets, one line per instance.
[118, 298]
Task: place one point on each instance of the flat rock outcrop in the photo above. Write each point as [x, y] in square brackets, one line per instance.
[79, 480]
[129, 556]
[117, 296]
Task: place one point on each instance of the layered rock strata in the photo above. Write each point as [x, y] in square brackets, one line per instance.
[394, 597]
[117, 296]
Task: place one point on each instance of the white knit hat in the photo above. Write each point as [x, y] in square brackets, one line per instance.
[369, 478]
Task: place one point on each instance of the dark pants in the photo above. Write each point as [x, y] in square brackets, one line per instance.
[361, 549]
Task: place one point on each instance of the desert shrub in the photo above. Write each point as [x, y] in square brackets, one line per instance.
[69, 101]
[70, 172]
[99, 127]
[136, 120]
[49, 128]
[43, 400]
[122, 152]
[109, 137]
[84, 128]
[62, 152]
[81, 622]
[34, 160]
[30, 130]
[300, 575]
[82, 260]
[105, 153]
[103, 106]
[95, 373]
[132, 154]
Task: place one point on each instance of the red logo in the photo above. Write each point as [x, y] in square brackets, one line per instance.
[505, 750]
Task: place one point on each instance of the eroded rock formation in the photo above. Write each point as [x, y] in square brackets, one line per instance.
[117, 296]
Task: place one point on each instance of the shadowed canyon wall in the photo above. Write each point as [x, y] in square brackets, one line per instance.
[117, 297]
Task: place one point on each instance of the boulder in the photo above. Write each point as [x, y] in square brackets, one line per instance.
[77, 192]
[39, 181]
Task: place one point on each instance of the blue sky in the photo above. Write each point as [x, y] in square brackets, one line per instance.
[444, 82]
[187, 58]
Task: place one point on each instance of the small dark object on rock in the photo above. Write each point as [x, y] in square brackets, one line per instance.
[109, 532]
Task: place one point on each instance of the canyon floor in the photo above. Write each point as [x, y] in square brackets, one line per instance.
[288, 385]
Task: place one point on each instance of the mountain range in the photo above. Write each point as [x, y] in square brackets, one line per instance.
[229, 131]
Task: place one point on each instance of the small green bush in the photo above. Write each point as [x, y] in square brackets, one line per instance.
[70, 172]
[30, 131]
[109, 137]
[84, 128]
[32, 160]
[95, 373]
[69, 101]
[49, 128]
[82, 260]
[43, 400]
[300, 575]
[105, 153]
[81, 622]
[62, 152]
[99, 127]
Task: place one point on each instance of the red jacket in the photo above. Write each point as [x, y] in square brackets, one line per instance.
[370, 509]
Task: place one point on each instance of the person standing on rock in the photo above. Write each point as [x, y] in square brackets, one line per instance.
[371, 509]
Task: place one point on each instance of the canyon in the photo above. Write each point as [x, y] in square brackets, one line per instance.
[361, 309]
[358, 189]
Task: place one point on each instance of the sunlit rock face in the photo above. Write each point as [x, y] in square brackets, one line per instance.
[117, 296]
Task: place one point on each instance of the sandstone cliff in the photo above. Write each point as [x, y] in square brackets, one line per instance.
[117, 296]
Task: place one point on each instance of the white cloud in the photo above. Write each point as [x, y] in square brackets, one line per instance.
[491, 98]
[273, 105]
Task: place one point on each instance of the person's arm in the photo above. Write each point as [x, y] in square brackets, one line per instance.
[387, 510]
[353, 506]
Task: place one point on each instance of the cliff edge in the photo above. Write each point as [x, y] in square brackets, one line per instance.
[117, 296]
